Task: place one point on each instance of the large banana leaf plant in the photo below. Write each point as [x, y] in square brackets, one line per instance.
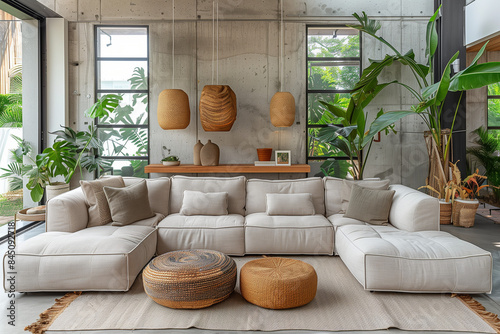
[429, 96]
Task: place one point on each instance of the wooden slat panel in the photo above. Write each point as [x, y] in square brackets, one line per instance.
[493, 45]
[226, 169]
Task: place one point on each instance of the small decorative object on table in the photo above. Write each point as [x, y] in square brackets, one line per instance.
[283, 158]
[264, 154]
[196, 153]
[209, 154]
[278, 283]
[190, 279]
[171, 160]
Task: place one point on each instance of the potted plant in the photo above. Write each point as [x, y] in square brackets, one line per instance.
[444, 193]
[71, 151]
[171, 160]
[464, 194]
[430, 96]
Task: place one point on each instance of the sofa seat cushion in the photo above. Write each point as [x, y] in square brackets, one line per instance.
[288, 234]
[221, 233]
[96, 258]
[339, 220]
[387, 259]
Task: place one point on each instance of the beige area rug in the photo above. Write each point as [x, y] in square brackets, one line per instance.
[340, 304]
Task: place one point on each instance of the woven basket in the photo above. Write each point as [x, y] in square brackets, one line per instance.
[445, 213]
[190, 279]
[217, 108]
[282, 109]
[464, 212]
[278, 283]
[173, 109]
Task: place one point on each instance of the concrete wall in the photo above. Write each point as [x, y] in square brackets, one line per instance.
[248, 52]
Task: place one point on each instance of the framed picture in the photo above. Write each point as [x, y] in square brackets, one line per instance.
[283, 158]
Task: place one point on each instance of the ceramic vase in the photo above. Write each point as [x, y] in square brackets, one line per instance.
[209, 154]
[196, 153]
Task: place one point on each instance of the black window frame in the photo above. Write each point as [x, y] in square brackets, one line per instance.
[328, 91]
[98, 91]
[491, 97]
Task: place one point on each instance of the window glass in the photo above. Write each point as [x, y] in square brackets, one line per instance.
[122, 67]
[333, 69]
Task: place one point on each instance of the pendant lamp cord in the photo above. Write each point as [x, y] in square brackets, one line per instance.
[213, 39]
[173, 44]
[281, 46]
[217, 42]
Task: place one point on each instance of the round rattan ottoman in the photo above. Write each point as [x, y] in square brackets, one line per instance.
[278, 283]
[190, 279]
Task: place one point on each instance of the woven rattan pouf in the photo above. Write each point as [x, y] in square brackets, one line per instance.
[278, 283]
[190, 279]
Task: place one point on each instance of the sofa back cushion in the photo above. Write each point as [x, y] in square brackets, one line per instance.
[158, 192]
[338, 192]
[257, 190]
[234, 186]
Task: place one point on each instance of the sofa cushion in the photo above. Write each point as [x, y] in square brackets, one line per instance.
[129, 204]
[158, 192]
[290, 205]
[338, 192]
[370, 205]
[340, 220]
[288, 234]
[222, 233]
[95, 198]
[234, 186]
[200, 203]
[388, 259]
[95, 258]
[257, 190]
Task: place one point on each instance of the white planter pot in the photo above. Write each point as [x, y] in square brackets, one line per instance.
[55, 189]
[171, 163]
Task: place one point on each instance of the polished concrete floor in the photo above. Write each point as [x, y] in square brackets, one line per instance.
[485, 234]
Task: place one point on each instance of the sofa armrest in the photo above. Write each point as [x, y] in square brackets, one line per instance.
[67, 212]
[413, 210]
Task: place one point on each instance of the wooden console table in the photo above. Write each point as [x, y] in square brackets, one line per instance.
[226, 169]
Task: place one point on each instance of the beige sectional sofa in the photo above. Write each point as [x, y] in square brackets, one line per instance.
[410, 254]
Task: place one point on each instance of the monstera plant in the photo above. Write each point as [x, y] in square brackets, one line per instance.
[71, 151]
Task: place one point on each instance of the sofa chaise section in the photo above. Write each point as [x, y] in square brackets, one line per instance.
[384, 258]
[97, 258]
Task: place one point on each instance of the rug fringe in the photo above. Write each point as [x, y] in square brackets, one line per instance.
[48, 316]
[489, 317]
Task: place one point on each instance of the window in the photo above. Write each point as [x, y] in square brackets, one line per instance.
[122, 67]
[333, 68]
[494, 109]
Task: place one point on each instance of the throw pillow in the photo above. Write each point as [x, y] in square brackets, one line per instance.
[300, 204]
[99, 213]
[370, 205]
[347, 186]
[129, 204]
[207, 204]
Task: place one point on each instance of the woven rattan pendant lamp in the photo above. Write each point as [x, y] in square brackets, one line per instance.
[217, 102]
[282, 107]
[173, 104]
